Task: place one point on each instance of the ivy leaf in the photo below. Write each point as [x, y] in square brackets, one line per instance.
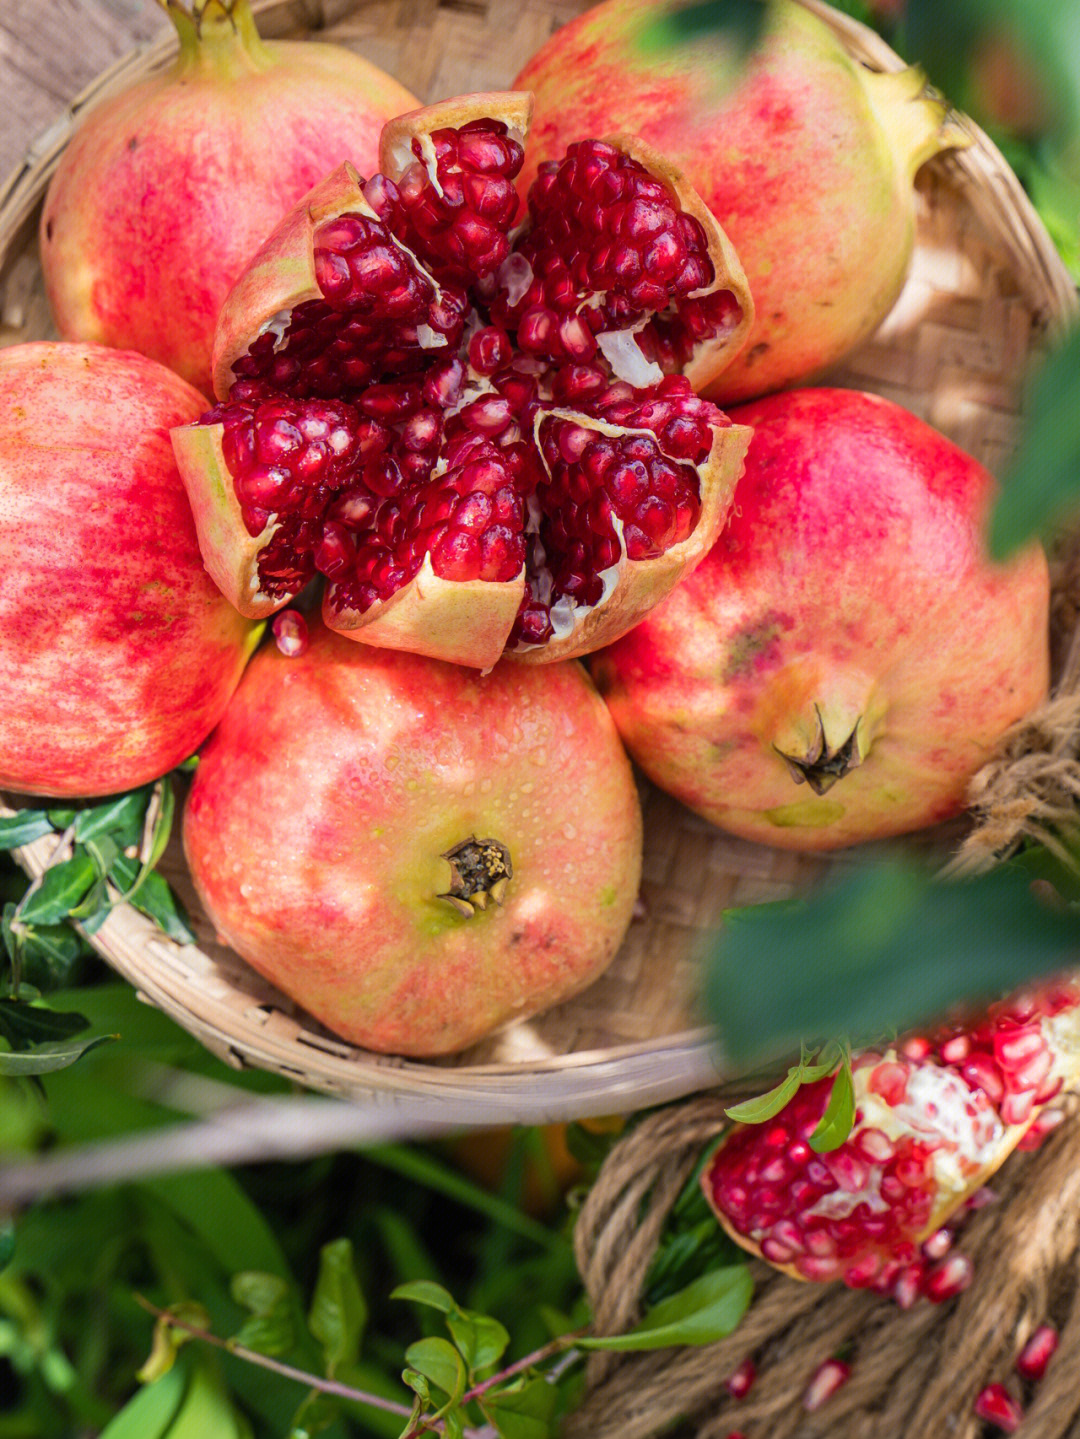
[481, 1339]
[23, 1024]
[706, 1310]
[834, 1126]
[23, 828]
[47, 1058]
[882, 947]
[440, 1363]
[522, 1409]
[338, 1311]
[62, 886]
[425, 1291]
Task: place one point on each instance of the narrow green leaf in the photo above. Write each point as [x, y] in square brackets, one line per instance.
[62, 818]
[417, 1383]
[440, 1363]
[153, 898]
[62, 887]
[481, 1339]
[7, 1242]
[163, 824]
[882, 947]
[149, 1415]
[523, 1409]
[120, 817]
[338, 1311]
[453, 1424]
[23, 828]
[706, 1310]
[94, 905]
[766, 1106]
[834, 1126]
[22, 1024]
[423, 1291]
[46, 1058]
[169, 1339]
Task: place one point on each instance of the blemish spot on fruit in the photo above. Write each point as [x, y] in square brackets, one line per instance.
[750, 645]
[133, 143]
[811, 813]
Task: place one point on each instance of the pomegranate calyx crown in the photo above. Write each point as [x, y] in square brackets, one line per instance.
[215, 34]
[822, 765]
[480, 871]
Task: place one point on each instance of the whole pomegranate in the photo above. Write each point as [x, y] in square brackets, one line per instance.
[166, 189]
[481, 436]
[119, 652]
[934, 1118]
[414, 852]
[846, 657]
[805, 157]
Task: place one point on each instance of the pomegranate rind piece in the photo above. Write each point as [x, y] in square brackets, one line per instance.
[229, 553]
[513, 107]
[710, 357]
[956, 1176]
[465, 622]
[641, 584]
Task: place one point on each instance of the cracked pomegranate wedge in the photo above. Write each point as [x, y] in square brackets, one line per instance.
[934, 1118]
[482, 432]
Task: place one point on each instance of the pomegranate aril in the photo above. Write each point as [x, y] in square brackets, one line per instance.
[290, 633]
[997, 1406]
[1013, 1047]
[741, 1379]
[938, 1244]
[981, 1072]
[948, 1278]
[1036, 1354]
[829, 1377]
[1017, 1108]
[889, 1080]
[1042, 1125]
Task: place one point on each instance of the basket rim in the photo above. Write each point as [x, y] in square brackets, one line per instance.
[560, 1086]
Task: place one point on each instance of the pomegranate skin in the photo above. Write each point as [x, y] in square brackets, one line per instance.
[846, 629]
[166, 190]
[326, 800]
[118, 650]
[807, 161]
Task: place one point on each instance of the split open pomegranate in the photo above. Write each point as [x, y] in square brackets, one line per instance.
[485, 437]
[934, 1118]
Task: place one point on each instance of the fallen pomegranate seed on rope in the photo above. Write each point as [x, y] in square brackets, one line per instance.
[483, 435]
[934, 1118]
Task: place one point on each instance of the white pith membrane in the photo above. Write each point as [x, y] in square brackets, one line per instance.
[566, 613]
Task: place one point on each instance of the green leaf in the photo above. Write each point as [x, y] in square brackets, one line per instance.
[22, 1024]
[440, 1363]
[62, 886]
[159, 837]
[270, 1329]
[882, 947]
[1041, 487]
[481, 1339]
[151, 1413]
[453, 1424]
[417, 1383]
[766, 1106]
[7, 1242]
[153, 898]
[834, 1126]
[423, 1291]
[338, 1311]
[706, 1310]
[63, 818]
[169, 1339]
[522, 1409]
[316, 1413]
[121, 818]
[46, 1058]
[23, 828]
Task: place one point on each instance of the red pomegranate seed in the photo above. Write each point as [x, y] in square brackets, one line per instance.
[938, 1244]
[889, 1080]
[1013, 1047]
[828, 1378]
[1042, 1125]
[949, 1278]
[1036, 1354]
[909, 1285]
[290, 632]
[997, 1406]
[1017, 1108]
[741, 1379]
[981, 1072]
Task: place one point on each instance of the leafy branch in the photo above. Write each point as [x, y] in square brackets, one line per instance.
[452, 1379]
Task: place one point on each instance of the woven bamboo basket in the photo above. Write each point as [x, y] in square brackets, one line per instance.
[985, 290]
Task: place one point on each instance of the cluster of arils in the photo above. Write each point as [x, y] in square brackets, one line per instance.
[934, 1118]
[480, 436]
